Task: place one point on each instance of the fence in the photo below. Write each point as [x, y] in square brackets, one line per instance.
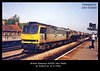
[11, 37]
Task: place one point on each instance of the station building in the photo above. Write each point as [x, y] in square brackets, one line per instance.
[11, 31]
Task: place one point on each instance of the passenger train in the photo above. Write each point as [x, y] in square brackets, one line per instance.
[38, 37]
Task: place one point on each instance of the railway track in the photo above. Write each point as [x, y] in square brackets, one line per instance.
[16, 57]
[10, 43]
[12, 48]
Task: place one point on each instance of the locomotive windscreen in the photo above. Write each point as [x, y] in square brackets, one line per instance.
[30, 29]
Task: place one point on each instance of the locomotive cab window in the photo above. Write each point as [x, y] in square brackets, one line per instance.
[30, 29]
[43, 30]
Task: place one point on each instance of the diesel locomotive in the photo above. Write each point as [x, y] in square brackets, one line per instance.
[37, 36]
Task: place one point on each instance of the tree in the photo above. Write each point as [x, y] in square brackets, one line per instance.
[21, 24]
[12, 20]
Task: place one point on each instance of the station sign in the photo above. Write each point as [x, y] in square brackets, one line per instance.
[92, 27]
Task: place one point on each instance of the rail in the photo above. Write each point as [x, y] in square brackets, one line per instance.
[11, 43]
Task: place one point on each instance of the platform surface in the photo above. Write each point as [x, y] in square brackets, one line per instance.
[86, 53]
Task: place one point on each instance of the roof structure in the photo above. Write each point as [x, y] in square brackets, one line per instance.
[10, 28]
[58, 28]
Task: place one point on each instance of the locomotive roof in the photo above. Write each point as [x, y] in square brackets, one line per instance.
[58, 28]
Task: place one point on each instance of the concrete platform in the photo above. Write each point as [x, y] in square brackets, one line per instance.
[86, 53]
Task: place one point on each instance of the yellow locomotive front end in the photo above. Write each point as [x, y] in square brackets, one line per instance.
[30, 37]
[30, 34]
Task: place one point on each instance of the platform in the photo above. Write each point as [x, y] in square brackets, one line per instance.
[82, 52]
[86, 53]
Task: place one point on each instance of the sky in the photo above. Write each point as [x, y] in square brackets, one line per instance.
[70, 15]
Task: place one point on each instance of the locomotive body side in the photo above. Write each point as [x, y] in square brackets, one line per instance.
[54, 34]
[44, 34]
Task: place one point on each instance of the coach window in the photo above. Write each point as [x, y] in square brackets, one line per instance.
[43, 30]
